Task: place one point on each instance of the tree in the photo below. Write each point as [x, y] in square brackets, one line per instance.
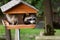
[49, 30]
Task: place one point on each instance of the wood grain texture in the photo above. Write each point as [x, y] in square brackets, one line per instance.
[21, 9]
[21, 26]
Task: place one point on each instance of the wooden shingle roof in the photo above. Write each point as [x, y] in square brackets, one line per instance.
[13, 3]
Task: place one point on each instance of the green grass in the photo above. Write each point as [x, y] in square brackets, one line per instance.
[25, 33]
[57, 32]
[22, 31]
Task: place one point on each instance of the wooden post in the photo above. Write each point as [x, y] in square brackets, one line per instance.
[17, 34]
[8, 34]
[17, 31]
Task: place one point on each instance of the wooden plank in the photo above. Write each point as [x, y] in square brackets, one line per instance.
[21, 9]
[21, 26]
[21, 13]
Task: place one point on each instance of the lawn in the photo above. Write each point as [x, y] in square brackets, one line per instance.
[22, 31]
[26, 34]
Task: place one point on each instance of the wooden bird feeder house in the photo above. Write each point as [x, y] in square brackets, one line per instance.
[18, 8]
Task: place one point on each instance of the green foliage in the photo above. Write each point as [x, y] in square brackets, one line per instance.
[55, 3]
[2, 2]
[38, 4]
[1, 14]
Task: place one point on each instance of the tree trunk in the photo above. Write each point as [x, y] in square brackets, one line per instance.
[49, 30]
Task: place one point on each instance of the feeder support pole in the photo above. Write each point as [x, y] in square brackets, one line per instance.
[17, 34]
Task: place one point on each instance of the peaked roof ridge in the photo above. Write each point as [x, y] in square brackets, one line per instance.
[13, 3]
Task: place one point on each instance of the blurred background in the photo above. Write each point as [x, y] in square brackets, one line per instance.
[29, 34]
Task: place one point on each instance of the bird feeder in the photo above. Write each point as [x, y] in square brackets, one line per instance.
[20, 8]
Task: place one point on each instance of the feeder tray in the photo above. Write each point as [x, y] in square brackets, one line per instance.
[21, 26]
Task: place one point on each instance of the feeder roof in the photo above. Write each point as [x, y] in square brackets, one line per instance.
[13, 3]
